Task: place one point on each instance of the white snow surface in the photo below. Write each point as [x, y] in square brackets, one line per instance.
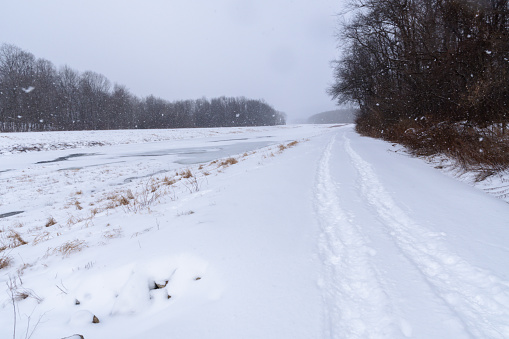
[331, 236]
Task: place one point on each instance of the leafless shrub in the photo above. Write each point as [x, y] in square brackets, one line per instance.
[142, 199]
[192, 185]
[17, 294]
[24, 293]
[483, 150]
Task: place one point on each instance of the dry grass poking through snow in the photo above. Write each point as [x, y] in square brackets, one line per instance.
[141, 199]
[169, 181]
[14, 239]
[5, 261]
[85, 208]
[136, 199]
[228, 162]
[282, 147]
[114, 233]
[44, 236]
[11, 239]
[186, 174]
[51, 221]
[70, 247]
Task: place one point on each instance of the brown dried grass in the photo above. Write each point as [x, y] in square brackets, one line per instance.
[168, 181]
[228, 162]
[44, 236]
[77, 205]
[186, 174]
[485, 150]
[15, 239]
[70, 247]
[50, 222]
[5, 261]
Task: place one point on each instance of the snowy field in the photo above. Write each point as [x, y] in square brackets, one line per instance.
[272, 232]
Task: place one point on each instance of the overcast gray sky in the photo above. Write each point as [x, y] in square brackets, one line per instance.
[278, 50]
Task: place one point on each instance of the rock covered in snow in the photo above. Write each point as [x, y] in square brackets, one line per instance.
[83, 317]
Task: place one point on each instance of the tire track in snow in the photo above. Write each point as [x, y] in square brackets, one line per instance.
[477, 297]
[355, 304]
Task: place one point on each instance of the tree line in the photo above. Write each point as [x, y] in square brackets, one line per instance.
[36, 96]
[425, 61]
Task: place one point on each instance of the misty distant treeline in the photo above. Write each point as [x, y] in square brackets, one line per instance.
[338, 116]
[36, 96]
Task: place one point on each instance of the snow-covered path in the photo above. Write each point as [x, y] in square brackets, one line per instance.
[477, 297]
[401, 277]
[355, 303]
[334, 236]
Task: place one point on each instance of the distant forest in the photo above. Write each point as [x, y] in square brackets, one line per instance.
[35, 96]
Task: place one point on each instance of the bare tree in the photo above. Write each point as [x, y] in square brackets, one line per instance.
[439, 59]
[35, 96]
